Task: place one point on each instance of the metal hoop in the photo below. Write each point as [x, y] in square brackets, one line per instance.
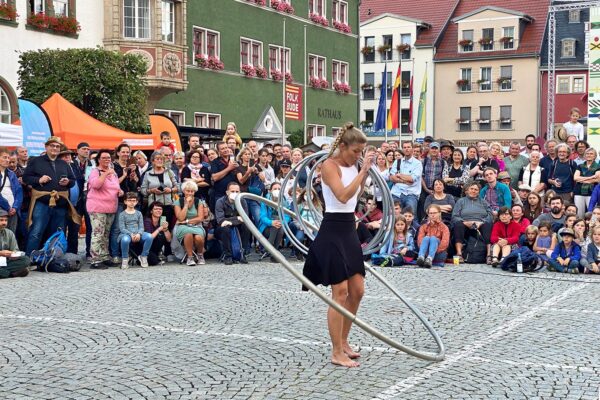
[439, 356]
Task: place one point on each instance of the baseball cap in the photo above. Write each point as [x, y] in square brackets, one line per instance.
[434, 144]
[285, 163]
[525, 187]
[503, 175]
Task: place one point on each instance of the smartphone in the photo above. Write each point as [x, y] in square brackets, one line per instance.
[162, 220]
[251, 163]
[232, 158]
[63, 177]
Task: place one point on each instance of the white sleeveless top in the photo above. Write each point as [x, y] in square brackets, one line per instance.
[332, 204]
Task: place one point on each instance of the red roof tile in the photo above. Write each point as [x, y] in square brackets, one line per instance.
[531, 39]
[434, 12]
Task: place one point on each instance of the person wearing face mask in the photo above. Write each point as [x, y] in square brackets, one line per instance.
[227, 219]
[270, 225]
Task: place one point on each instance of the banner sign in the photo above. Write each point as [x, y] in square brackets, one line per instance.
[293, 102]
[36, 129]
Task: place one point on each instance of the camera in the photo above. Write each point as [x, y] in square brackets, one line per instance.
[161, 188]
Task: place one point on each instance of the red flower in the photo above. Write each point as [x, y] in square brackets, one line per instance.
[8, 11]
[261, 72]
[248, 70]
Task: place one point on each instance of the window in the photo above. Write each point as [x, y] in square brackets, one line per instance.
[369, 42]
[405, 39]
[168, 21]
[388, 42]
[339, 11]
[570, 84]
[316, 7]
[564, 84]
[464, 119]
[578, 84]
[279, 59]
[568, 48]
[136, 14]
[206, 42]
[467, 40]
[37, 6]
[390, 85]
[506, 77]
[368, 86]
[4, 107]
[405, 84]
[485, 118]
[574, 16]
[404, 116]
[369, 116]
[251, 53]
[61, 7]
[485, 79]
[487, 39]
[315, 130]
[339, 72]
[335, 131]
[465, 77]
[505, 117]
[317, 67]
[508, 37]
[177, 116]
[207, 120]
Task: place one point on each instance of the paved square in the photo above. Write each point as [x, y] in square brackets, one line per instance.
[248, 332]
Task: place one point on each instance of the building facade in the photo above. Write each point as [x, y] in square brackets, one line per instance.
[239, 57]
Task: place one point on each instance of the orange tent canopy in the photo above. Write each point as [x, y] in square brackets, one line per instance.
[73, 126]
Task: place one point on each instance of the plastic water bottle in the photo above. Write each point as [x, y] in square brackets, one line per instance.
[519, 264]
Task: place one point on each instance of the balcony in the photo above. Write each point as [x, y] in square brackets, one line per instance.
[484, 125]
[504, 85]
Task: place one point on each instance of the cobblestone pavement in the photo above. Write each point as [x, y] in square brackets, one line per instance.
[248, 332]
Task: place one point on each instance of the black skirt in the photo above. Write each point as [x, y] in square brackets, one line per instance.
[335, 255]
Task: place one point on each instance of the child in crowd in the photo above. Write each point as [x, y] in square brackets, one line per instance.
[131, 228]
[434, 237]
[411, 223]
[573, 126]
[591, 263]
[505, 234]
[569, 222]
[165, 141]
[571, 209]
[528, 240]
[401, 245]
[566, 255]
[545, 241]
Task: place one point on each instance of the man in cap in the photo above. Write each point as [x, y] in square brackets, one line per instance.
[50, 179]
[504, 177]
[13, 263]
[524, 191]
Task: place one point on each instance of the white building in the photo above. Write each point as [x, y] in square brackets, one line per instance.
[17, 36]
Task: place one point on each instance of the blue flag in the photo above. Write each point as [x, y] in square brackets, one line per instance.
[381, 121]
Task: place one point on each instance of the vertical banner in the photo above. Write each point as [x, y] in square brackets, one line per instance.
[36, 128]
[293, 102]
[593, 122]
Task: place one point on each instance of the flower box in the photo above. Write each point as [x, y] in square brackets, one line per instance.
[342, 27]
[342, 87]
[505, 121]
[261, 72]
[248, 70]
[318, 19]
[289, 78]
[366, 123]
[367, 50]
[506, 39]
[465, 42]
[461, 82]
[366, 86]
[324, 84]
[261, 2]
[60, 24]
[503, 79]
[403, 47]
[384, 48]
[483, 121]
[211, 62]
[482, 81]
[485, 40]
[316, 82]
[405, 84]
[462, 121]
[276, 75]
[8, 11]
[282, 6]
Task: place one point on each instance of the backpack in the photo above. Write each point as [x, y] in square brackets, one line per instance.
[475, 250]
[237, 252]
[55, 246]
[528, 258]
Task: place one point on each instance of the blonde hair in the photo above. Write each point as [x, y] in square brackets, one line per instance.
[348, 135]
[234, 126]
[241, 153]
[531, 229]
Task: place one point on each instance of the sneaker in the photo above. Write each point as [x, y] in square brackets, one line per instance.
[385, 262]
[420, 261]
[550, 268]
[200, 259]
[125, 263]
[116, 260]
[228, 261]
[243, 260]
[574, 270]
[428, 262]
[299, 256]
[191, 262]
[143, 261]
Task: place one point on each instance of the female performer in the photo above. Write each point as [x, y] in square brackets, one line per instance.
[335, 257]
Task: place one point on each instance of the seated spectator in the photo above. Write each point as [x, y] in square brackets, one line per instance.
[505, 235]
[496, 194]
[534, 206]
[131, 230]
[504, 177]
[517, 216]
[528, 240]
[157, 226]
[441, 199]
[497, 154]
[412, 225]
[556, 216]
[545, 242]
[433, 239]
[566, 255]
[471, 215]
[534, 175]
[591, 263]
[16, 265]
[179, 162]
[227, 219]
[270, 225]
[190, 213]
[523, 192]
[400, 246]
[160, 184]
[372, 215]
[11, 192]
[198, 173]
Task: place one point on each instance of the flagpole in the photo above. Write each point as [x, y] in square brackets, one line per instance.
[411, 125]
[284, 64]
[304, 91]
[385, 97]
[399, 128]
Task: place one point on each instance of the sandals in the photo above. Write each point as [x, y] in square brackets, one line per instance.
[489, 260]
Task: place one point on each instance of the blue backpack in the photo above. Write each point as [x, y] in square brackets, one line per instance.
[528, 258]
[237, 252]
[54, 248]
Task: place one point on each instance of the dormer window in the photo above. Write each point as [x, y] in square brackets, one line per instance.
[487, 39]
[508, 38]
[574, 16]
[466, 43]
[568, 48]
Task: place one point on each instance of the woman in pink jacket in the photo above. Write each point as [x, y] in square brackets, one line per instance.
[102, 198]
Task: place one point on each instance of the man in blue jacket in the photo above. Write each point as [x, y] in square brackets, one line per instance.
[11, 192]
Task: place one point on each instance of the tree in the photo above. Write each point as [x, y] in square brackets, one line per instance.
[105, 84]
[296, 138]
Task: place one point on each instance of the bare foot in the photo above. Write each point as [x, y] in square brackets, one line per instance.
[343, 360]
[349, 352]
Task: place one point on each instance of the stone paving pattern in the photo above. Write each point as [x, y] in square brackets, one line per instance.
[248, 332]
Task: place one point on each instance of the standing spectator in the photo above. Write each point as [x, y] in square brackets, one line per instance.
[534, 175]
[81, 165]
[514, 163]
[231, 132]
[573, 126]
[103, 193]
[406, 177]
[50, 180]
[212, 155]
[232, 144]
[245, 170]
[586, 176]
[223, 172]
[169, 164]
[160, 185]
[529, 142]
[22, 157]
[142, 165]
[497, 154]
[484, 161]
[286, 154]
[158, 227]
[227, 219]
[11, 193]
[496, 194]
[194, 142]
[265, 171]
[15, 266]
[471, 155]
[384, 171]
[165, 141]
[179, 163]
[446, 149]
[433, 167]
[547, 161]
[75, 196]
[561, 172]
[456, 174]
[578, 156]
[253, 147]
[191, 212]
[196, 172]
[131, 230]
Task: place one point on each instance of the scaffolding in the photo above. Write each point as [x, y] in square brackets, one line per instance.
[565, 5]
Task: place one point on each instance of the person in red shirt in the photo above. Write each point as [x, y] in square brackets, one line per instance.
[505, 234]
[165, 141]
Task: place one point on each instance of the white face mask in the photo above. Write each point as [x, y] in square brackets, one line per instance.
[232, 196]
[275, 193]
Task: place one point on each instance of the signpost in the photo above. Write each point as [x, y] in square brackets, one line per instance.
[293, 102]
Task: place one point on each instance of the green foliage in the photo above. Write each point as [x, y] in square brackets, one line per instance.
[107, 85]
[296, 138]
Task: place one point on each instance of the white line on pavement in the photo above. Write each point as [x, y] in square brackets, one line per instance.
[468, 351]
